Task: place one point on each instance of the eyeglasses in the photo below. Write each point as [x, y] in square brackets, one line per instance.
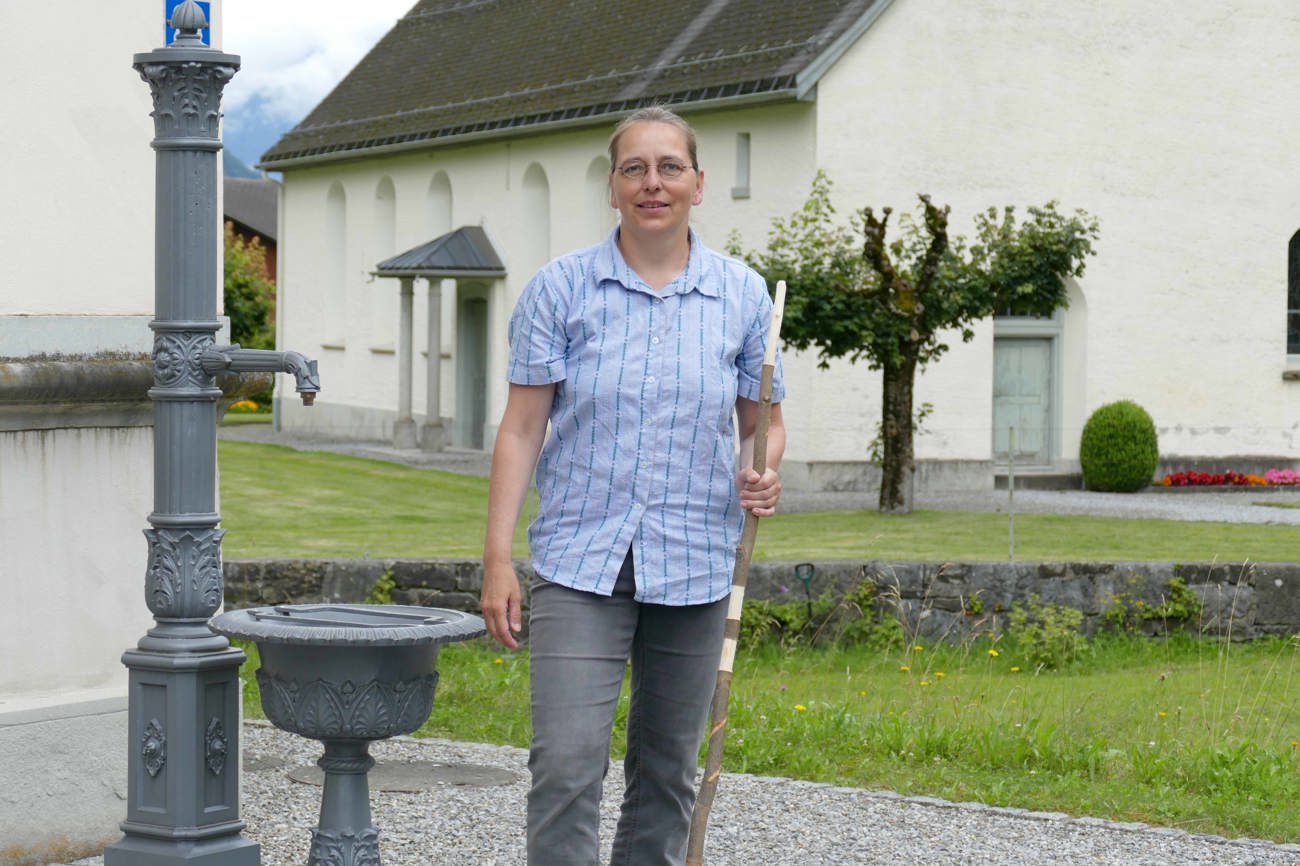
[667, 170]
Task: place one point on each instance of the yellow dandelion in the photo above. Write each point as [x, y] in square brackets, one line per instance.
[904, 668]
[994, 653]
[799, 708]
[498, 661]
[918, 648]
[1162, 714]
[925, 682]
[938, 675]
[1015, 669]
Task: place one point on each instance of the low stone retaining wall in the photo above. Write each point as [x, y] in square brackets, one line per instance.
[933, 599]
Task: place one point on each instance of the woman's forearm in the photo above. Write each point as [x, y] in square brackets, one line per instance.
[747, 416]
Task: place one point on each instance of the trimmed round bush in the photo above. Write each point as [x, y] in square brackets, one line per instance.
[1118, 449]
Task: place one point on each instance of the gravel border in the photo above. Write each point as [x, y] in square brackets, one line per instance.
[1248, 505]
[756, 821]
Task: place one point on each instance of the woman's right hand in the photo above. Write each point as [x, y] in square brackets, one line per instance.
[501, 602]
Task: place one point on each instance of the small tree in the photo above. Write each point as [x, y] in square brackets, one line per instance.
[249, 297]
[889, 301]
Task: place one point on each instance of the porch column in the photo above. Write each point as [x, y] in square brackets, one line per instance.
[432, 435]
[404, 429]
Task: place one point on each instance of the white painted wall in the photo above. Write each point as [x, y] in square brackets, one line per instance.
[68, 117]
[72, 506]
[1171, 122]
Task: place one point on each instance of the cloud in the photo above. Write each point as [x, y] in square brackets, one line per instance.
[293, 52]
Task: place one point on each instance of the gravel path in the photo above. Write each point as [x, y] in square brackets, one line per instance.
[755, 821]
[1257, 505]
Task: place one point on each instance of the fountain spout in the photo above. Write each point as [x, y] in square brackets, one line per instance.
[233, 359]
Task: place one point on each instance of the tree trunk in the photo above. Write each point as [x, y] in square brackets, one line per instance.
[898, 465]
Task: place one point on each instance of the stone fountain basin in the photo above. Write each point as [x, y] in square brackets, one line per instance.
[354, 671]
[347, 674]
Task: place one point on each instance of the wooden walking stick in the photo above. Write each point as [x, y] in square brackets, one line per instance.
[739, 578]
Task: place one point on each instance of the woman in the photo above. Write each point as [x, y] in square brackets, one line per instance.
[638, 352]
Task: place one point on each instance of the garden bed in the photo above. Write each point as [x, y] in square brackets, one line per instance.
[1272, 479]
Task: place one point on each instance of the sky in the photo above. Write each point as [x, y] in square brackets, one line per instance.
[292, 54]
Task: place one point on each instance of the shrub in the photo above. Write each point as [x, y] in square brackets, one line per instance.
[249, 298]
[1179, 606]
[1118, 448]
[853, 619]
[1049, 635]
[382, 591]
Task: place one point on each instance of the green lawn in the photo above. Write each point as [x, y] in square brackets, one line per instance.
[277, 502]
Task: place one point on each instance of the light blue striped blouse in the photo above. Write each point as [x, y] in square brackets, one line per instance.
[641, 451]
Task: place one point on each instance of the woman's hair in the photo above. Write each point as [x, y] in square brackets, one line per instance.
[653, 114]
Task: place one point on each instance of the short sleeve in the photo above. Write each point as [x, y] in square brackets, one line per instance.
[754, 349]
[538, 342]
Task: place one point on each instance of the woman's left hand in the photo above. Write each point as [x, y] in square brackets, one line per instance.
[759, 493]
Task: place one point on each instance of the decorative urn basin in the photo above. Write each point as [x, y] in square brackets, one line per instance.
[347, 674]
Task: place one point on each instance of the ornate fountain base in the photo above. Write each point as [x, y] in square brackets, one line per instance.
[184, 794]
[345, 836]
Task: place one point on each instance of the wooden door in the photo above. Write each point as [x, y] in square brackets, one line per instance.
[1022, 398]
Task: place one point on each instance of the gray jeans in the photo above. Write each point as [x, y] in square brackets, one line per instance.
[579, 645]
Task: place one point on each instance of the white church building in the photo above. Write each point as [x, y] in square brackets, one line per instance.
[1174, 125]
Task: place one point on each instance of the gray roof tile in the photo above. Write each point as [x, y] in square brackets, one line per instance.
[451, 68]
[254, 203]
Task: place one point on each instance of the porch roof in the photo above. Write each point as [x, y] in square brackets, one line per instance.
[463, 252]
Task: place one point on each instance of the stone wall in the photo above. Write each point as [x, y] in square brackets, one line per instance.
[933, 599]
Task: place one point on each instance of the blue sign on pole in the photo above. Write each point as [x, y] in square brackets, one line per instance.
[170, 7]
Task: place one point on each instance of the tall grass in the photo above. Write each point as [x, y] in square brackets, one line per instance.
[1198, 734]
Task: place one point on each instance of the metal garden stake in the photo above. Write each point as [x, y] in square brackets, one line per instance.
[804, 571]
[739, 579]
[1011, 494]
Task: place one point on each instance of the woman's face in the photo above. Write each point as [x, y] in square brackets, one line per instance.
[653, 204]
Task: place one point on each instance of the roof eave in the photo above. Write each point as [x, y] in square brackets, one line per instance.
[443, 273]
[806, 80]
[739, 100]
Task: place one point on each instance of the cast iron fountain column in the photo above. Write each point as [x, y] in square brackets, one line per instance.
[183, 714]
